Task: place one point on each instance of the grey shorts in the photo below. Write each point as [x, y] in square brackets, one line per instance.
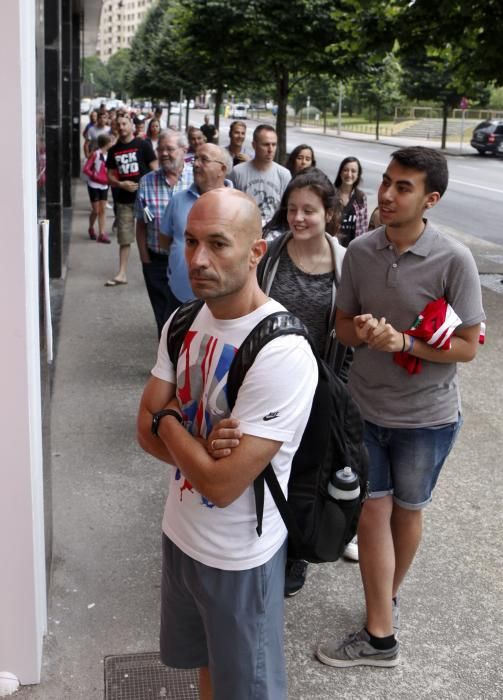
[231, 621]
[126, 232]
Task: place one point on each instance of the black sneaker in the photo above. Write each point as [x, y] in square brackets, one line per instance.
[295, 576]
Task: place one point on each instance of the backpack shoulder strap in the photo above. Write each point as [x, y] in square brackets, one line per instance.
[271, 327]
[180, 324]
[270, 258]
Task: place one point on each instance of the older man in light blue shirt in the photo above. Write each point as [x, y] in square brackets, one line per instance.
[211, 166]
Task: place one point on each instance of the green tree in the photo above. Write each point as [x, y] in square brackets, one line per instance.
[496, 99]
[207, 50]
[380, 86]
[95, 74]
[143, 77]
[118, 69]
[470, 30]
[259, 41]
[430, 74]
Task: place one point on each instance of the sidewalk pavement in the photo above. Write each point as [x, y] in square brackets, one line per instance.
[108, 498]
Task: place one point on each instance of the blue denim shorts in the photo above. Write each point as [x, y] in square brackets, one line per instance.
[406, 462]
[231, 621]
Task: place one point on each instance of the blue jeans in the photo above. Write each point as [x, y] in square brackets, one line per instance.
[406, 462]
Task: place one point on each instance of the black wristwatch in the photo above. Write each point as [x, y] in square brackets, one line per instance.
[156, 419]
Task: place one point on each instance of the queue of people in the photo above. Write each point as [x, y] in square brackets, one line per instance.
[249, 237]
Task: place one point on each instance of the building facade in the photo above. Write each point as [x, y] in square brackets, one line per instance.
[41, 45]
[119, 21]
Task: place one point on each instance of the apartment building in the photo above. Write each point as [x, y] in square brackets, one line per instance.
[118, 23]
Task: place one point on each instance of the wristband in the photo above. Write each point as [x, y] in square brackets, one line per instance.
[411, 346]
[403, 343]
[156, 419]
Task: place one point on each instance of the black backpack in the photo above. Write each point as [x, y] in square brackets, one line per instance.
[318, 526]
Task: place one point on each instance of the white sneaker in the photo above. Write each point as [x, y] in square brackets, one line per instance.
[351, 550]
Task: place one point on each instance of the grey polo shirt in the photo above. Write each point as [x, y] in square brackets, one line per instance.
[377, 280]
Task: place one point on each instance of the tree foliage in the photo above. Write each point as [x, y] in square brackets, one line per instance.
[143, 75]
[379, 86]
[446, 48]
[471, 31]
[95, 74]
[431, 74]
[258, 41]
[118, 71]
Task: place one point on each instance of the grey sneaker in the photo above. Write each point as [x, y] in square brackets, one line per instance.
[356, 650]
[395, 610]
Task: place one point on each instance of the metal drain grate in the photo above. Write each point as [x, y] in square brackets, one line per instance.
[493, 282]
[142, 676]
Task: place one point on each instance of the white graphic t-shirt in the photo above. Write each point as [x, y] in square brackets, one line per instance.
[273, 402]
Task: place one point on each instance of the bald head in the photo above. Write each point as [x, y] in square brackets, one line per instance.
[223, 246]
[230, 208]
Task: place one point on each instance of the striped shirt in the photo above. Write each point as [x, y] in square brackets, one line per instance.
[155, 193]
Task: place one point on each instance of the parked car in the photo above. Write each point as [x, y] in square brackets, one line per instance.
[114, 104]
[239, 111]
[98, 101]
[85, 105]
[488, 137]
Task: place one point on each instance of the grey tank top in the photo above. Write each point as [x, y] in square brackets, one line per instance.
[307, 296]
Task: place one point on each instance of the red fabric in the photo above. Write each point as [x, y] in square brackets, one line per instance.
[435, 325]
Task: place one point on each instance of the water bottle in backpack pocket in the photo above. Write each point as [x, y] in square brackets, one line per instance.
[340, 513]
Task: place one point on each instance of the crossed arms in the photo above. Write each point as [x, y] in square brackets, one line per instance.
[221, 474]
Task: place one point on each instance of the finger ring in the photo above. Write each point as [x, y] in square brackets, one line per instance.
[213, 445]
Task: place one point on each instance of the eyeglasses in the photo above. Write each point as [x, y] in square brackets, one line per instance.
[205, 160]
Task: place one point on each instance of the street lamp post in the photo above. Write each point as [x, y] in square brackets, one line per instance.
[339, 115]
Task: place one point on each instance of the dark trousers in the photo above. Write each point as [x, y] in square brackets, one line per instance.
[158, 290]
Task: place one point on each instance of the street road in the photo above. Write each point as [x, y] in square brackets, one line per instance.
[472, 205]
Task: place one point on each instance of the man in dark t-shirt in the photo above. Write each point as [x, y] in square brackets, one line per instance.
[210, 131]
[127, 162]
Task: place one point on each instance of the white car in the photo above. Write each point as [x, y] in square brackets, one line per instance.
[239, 111]
[85, 105]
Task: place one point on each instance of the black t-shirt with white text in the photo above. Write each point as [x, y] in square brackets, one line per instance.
[130, 161]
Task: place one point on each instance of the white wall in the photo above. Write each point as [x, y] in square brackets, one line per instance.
[22, 569]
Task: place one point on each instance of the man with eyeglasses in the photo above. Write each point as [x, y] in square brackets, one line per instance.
[211, 166]
[154, 194]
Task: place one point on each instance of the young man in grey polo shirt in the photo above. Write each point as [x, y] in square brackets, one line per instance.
[411, 420]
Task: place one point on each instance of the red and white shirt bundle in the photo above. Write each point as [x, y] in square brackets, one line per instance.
[435, 325]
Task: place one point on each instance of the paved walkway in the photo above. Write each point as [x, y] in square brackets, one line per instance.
[109, 495]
